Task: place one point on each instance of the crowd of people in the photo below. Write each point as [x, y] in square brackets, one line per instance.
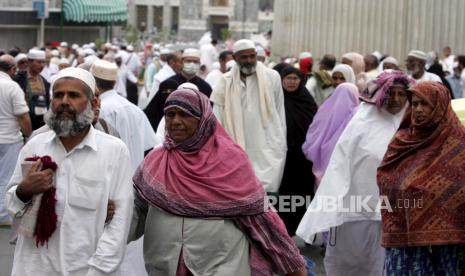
[156, 161]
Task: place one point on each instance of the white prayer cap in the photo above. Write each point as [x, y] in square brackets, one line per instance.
[305, 55]
[130, 48]
[88, 52]
[260, 51]
[74, 46]
[80, 52]
[90, 59]
[377, 54]
[391, 60]
[191, 52]
[55, 53]
[104, 70]
[92, 45]
[165, 51]
[64, 44]
[36, 54]
[230, 64]
[107, 45]
[64, 61]
[85, 46]
[188, 85]
[418, 54]
[243, 44]
[114, 48]
[20, 57]
[216, 65]
[78, 73]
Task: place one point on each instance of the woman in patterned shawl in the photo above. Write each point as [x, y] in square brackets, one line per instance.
[423, 177]
[201, 207]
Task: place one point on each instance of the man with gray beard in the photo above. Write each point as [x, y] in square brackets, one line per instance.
[91, 169]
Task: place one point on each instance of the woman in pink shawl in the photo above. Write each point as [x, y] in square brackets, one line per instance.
[329, 122]
[356, 61]
[201, 207]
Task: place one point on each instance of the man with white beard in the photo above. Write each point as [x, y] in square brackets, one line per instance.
[66, 234]
[249, 103]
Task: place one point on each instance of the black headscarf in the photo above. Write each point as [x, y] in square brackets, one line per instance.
[154, 109]
[436, 69]
[300, 108]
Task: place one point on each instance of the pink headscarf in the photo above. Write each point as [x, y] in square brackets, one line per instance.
[210, 176]
[358, 64]
[329, 122]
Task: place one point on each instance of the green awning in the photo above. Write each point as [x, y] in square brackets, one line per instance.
[95, 10]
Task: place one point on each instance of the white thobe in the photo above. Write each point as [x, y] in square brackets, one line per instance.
[133, 63]
[124, 74]
[208, 55]
[49, 71]
[95, 171]
[448, 64]
[427, 76]
[213, 77]
[165, 73]
[131, 123]
[265, 146]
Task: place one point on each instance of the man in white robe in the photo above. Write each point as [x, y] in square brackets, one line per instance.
[415, 63]
[249, 103]
[172, 67]
[208, 54]
[15, 123]
[131, 123]
[92, 168]
[218, 68]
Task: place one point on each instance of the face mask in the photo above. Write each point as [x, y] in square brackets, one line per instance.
[191, 68]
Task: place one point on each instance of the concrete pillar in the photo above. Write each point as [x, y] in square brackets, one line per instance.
[132, 20]
[166, 26]
[149, 19]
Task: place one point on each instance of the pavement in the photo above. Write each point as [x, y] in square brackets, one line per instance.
[7, 250]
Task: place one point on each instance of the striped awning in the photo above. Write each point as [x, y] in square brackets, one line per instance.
[95, 10]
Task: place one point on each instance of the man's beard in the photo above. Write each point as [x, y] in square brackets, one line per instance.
[66, 127]
[248, 68]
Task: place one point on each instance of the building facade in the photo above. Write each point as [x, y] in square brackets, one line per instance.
[188, 20]
[393, 27]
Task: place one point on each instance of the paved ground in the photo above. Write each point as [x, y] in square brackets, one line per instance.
[6, 253]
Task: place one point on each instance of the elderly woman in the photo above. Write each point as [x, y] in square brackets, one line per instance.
[300, 107]
[342, 73]
[354, 242]
[200, 206]
[423, 176]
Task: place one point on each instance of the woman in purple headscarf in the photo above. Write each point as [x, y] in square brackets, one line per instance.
[329, 122]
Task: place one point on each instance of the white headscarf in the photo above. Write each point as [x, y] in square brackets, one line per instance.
[346, 71]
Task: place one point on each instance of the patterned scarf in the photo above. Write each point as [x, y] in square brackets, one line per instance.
[424, 168]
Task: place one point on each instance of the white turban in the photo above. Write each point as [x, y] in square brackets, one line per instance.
[391, 60]
[20, 57]
[418, 54]
[191, 52]
[260, 51]
[105, 70]
[188, 85]
[36, 54]
[305, 55]
[77, 73]
[346, 71]
[165, 51]
[64, 61]
[64, 44]
[243, 44]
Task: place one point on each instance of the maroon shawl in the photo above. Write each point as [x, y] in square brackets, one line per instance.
[423, 176]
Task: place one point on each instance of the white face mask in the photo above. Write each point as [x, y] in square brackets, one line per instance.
[191, 68]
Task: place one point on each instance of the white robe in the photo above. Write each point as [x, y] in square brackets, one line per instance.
[265, 146]
[165, 73]
[208, 55]
[96, 170]
[131, 123]
[352, 170]
[213, 77]
[427, 76]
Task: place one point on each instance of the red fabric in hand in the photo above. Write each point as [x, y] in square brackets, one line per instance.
[46, 217]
